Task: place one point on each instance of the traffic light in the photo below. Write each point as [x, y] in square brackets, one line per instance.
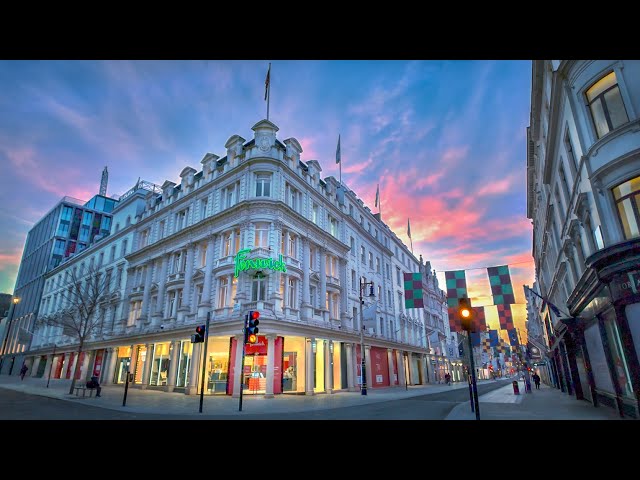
[465, 312]
[251, 331]
[198, 337]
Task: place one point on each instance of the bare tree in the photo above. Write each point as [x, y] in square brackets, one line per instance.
[81, 315]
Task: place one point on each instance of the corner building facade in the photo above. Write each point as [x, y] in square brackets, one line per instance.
[202, 247]
[583, 197]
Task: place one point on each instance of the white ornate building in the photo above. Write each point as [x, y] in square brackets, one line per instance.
[257, 229]
[583, 197]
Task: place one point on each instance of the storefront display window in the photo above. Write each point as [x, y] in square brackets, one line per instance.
[337, 370]
[293, 365]
[217, 365]
[122, 364]
[160, 364]
[140, 359]
[184, 363]
[621, 370]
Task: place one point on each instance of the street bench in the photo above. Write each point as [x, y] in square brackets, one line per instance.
[84, 390]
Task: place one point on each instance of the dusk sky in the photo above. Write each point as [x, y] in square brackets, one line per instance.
[446, 141]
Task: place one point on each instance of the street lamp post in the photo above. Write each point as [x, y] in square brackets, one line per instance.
[363, 368]
[15, 301]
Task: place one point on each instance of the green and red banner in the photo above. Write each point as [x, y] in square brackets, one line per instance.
[456, 289]
[501, 288]
[413, 296]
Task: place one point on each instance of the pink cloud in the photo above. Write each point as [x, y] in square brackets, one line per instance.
[499, 186]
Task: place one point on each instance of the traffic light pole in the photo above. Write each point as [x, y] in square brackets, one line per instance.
[472, 367]
[204, 359]
[242, 377]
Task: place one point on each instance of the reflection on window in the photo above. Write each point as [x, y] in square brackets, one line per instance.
[607, 107]
[627, 198]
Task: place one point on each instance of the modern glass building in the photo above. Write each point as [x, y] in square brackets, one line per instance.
[66, 230]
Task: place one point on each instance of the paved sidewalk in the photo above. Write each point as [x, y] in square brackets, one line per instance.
[547, 403]
[501, 404]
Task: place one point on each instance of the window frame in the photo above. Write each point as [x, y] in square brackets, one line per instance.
[603, 103]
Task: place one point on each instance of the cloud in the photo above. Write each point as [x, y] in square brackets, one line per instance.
[500, 186]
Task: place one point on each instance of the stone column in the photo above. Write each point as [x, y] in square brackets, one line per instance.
[146, 373]
[305, 312]
[402, 379]
[34, 366]
[310, 364]
[159, 314]
[145, 315]
[568, 251]
[328, 367]
[186, 292]
[173, 366]
[367, 359]
[351, 384]
[86, 361]
[111, 366]
[206, 286]
[194, 374]
[270, 363]
[344, 314]
[390, 363]
[47, 366]
[237, 367]
[323, 282]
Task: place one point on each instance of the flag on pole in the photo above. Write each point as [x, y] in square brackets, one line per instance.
[408, 228]
[555, 309]
[377, 195]
[266, 82]
[338, 151]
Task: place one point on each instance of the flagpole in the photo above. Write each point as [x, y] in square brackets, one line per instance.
[269, 91]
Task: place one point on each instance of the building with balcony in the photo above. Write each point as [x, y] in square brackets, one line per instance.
[583, 197]
[257, 229]
[66, 230]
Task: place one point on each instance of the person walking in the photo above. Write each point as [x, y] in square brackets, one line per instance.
[23, 371]
[536, 380]
[447, 379]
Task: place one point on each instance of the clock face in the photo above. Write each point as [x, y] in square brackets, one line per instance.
[264, 144]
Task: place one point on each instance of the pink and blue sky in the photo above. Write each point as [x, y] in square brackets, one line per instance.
[444, 139]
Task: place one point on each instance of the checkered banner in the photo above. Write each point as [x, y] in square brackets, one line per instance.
[513, 337]
[501, 287]
[475, 339]
[486, 345]
[479, 321]
[413, 290]
[456, 289]
[505, 316]
[493, 338]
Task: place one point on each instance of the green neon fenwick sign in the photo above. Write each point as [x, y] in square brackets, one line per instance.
[243, 264]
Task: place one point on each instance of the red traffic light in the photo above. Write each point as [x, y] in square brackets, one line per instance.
[200, 329]
[254, 315]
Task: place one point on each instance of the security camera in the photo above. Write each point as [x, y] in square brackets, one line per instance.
[161, 327]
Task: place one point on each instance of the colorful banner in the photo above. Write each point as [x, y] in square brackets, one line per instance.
[501, 287]
[475, 339]
[413, 290]
[493, 338]
[513, 337]
[456, 289]
[505, 316]
[479, 321]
